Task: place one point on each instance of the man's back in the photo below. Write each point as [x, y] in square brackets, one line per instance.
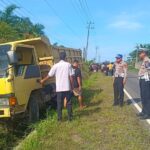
[62, 70]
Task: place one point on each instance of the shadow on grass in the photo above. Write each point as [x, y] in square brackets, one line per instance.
[92, 104]
[88, 112]
[90, 99]
[89, 94]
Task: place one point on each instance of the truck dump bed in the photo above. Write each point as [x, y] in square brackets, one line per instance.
[72, 54]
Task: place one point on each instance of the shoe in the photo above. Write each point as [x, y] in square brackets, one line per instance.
[145, 117]
[140, 114]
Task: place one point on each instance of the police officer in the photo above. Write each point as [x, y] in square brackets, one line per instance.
[120, 75]
[144, 80]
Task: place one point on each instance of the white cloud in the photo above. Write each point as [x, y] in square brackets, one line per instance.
[126, 21]
[126, 24]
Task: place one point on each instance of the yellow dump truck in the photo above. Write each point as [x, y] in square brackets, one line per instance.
[22, 63]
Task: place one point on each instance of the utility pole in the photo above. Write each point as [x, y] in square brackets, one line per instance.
[136, 59]
[137, 50]
[83, 54]
[88, 34]
[99, 58]
[96, 53]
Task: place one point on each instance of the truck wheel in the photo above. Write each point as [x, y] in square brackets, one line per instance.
[33, 110]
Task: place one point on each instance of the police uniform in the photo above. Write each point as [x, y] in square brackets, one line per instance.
[144, 81]
[120, 74]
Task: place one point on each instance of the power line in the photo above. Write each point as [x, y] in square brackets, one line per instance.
[55, 12]
[83, 9]
[78, 6]
[2, 5]
[90, 15]
[88, 9]
[24, 10]
[19, 11]
[78, 11]
[29, 12]
[6, 5]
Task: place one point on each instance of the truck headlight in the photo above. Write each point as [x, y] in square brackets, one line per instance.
[4, 101]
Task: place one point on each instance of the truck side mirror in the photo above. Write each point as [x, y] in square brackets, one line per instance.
[12, 57]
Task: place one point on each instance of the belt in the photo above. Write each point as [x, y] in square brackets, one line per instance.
[142, 77]
[118, 76]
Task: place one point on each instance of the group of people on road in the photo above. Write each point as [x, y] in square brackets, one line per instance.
[107, 68]
[120, 78]
[68, 82]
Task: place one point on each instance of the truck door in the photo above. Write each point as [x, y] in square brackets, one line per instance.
[26, 74]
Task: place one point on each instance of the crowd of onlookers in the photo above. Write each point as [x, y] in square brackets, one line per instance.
[106, 67]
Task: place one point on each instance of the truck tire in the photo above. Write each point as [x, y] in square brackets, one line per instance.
[33, 110]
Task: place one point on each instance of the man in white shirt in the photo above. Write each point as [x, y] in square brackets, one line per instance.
[64, 83]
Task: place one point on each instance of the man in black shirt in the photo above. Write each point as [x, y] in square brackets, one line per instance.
[77, 82]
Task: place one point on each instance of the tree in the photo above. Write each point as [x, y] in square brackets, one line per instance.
[37, 29]
[133, 54]
[7, 33]
[55, 44]
[18, 27]
[8, 14]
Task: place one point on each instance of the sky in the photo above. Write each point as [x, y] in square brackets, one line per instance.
[119, 25]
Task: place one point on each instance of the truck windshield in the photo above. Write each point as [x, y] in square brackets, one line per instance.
[4, 60]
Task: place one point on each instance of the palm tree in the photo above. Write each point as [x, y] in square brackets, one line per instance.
[22, 27]
[37, 30]
[8, 14]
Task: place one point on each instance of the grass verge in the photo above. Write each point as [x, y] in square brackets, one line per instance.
[132, 69]
[100, 126]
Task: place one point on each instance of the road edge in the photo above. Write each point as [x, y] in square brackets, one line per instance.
[135, 104]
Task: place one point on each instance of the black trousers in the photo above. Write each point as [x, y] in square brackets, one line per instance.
[60, 102]
[145, 96]
[118, 90]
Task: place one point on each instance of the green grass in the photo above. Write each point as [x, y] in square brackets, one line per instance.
[99, 127]
[132, 69]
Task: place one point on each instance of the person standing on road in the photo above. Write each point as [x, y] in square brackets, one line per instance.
[120, 76]
[77, 83]
[144, 80]
[110, 68]
[64, 84]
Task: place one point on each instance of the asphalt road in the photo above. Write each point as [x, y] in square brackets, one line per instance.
[132, 86]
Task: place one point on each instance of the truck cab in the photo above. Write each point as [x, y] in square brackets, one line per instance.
[22, 64]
